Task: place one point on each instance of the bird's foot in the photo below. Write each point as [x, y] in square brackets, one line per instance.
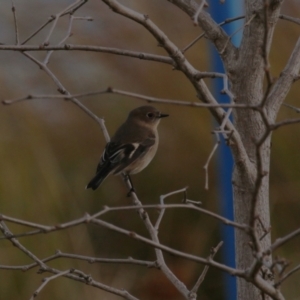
[132, 190]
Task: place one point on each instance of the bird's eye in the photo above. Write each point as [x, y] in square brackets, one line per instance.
[150, 115]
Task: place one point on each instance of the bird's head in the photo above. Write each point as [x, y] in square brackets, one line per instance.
[148, 115]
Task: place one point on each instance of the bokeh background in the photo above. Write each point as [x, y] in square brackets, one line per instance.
[50, 149]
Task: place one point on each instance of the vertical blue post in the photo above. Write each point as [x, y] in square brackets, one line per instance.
[221, 12]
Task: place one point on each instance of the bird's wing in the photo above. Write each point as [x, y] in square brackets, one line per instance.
[112, 157]
[133, 151]
[113, 154]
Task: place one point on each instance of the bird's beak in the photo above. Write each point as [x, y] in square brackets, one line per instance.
[163, 116]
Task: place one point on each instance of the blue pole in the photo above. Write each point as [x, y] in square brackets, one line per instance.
[221, 12]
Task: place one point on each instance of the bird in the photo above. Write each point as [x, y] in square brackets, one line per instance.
[132, 147]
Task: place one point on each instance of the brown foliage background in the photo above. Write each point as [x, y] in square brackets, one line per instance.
[50, 149]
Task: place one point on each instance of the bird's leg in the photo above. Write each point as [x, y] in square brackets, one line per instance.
[132, 190]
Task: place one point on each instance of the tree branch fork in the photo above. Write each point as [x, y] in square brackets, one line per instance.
[250, 274]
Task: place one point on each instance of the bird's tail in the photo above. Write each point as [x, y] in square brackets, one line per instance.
[97, 180]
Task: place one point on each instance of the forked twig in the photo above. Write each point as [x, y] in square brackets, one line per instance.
[213, 252]
[162, 210]
[46, 280]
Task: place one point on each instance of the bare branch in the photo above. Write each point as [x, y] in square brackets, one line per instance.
[45, 268]
[261, 174]
[63, 91]
[68, 34]
[265, 48]
[180, 60]
[182, 64]
[87, 279]
[213, 252]
[291, 19]
[202, 4]
[25, 268]
[58, 254]
[257, 281]
[47, 280]
[296, 109]
[212, 30]
[192, 43]
[167, 249]
[267, 288]
[44, 228]
[281, 241]
[236, 31]
[287, 275]
[57, 16]
[285, 122]
[154, 236]
[38, 30]
[87, 218]
[169, 206]
[92, 260]
[71, 47]
[52, 18]
[162, 211]
[22, 222]
[13, 8]
[58, 96]
[229, 20]
[205, 167]
[283, 84]
[149, 99]
[8, 234]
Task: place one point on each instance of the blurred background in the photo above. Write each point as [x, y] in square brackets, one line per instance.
[50, 149]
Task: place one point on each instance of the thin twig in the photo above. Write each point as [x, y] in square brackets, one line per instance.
[205, 167]
[63, 91]
[283, 84]
[229, 20]
[56, 18]
[287, 275]
[92, 260]
[45, 268]
[149, 99]
[74, 47]
[236, 31]
[213, 252]
[68, 34]
[281, 241]
[13, 8]
[296, 109]
[42, 229]
[291, 19]
[162, 211]
[198, 11]
[285, 123]
[47, 280]
[87, 279]
[178, 284]
[192, 43]
[261, 174]
[58, 254]
[170, 250]
[8, 234]
[51, 19]
[265, 53]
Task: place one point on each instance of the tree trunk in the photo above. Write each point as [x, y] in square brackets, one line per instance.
[247, 78]
[243, 190]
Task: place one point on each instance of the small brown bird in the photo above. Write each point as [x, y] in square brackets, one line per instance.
[132, 147]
